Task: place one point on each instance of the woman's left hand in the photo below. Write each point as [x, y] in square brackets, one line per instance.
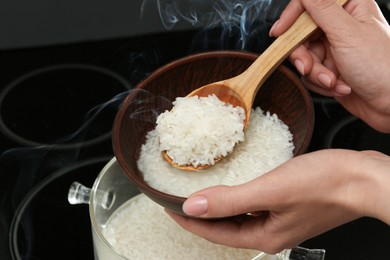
[302, 198]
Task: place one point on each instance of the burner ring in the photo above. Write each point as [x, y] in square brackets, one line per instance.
[331, 135]
[38, 196]
[352, 133]
[83, 72]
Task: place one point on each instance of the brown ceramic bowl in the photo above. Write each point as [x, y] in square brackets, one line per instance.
[282, 94]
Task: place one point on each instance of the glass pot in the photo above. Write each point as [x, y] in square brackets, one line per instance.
[112, 189]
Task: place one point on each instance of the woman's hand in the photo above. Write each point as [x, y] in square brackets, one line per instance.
[348, 59]
[302, 198]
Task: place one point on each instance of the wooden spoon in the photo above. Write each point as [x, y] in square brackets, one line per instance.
[242, 89]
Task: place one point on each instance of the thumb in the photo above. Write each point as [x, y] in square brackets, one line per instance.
[329, 15]
[224, 201]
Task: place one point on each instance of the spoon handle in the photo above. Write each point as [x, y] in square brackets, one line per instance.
[251, 80]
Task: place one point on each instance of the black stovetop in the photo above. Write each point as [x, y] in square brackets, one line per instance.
[44, 146]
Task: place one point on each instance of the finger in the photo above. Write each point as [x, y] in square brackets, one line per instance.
[315, 62]
[306, 55]
[320, 75]
[292, 11]
[223, 201]
[248, 234]
[302, 60]
[316, 89]
[341, 88]
[324, 12]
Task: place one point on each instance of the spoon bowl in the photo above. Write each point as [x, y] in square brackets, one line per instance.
[231, 97]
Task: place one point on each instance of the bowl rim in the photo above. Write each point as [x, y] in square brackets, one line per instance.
[142, 185]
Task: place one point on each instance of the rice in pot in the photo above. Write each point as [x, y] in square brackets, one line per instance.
[140, 230]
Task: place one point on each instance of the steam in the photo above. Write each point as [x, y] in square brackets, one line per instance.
[25, 166]
[247, 18]
[142, 62]
[147, 107]
[26, 170]
[94, 112]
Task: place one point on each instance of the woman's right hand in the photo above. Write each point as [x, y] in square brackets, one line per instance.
[349, 59]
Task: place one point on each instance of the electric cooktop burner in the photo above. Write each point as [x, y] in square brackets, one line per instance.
[57, 105]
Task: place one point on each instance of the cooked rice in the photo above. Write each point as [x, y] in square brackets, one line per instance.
[268, 143]
[199, 129]
[140, 229]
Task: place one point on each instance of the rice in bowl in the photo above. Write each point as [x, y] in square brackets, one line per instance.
[268, 143]
[282, 94]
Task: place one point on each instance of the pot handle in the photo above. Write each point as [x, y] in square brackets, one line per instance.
[78, 194]
[301, 253]
[296, 253]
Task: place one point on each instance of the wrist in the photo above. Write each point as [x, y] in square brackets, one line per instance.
[379, 172]
[368, 185]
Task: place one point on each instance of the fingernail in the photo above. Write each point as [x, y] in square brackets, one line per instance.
[343, 90]
[273, 28]
[195, 206]
[300, 67]
[324, 79]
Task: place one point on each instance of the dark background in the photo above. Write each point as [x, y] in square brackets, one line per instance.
[42, 104]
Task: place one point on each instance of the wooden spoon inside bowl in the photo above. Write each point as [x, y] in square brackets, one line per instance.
[242, 89]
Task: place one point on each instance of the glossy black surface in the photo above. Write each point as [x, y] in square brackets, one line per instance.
[36, 222]
[57, 107]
